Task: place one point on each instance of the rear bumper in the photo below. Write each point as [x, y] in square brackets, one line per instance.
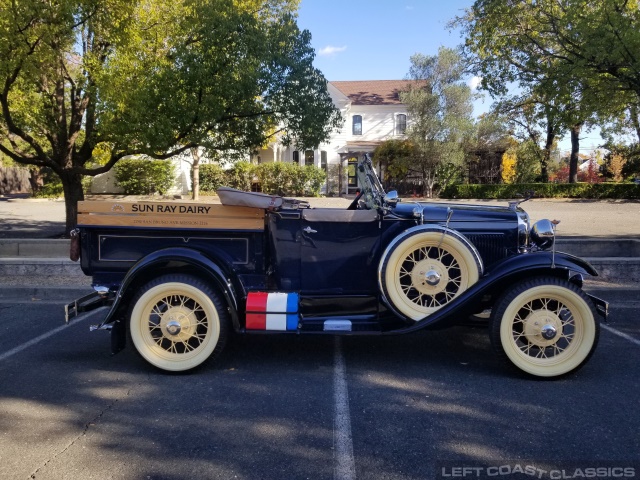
[86, 304]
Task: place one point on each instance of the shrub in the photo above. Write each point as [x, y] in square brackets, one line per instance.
[240, 176]
[212, 177]
[275, 178]
[282, 178]
[50, 190]
[314, 179]
[145, 177]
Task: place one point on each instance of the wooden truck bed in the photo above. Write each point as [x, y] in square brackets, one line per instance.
[169, 215]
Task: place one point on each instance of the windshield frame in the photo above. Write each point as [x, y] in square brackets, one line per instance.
[372, 191]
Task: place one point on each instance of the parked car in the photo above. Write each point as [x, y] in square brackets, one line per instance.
[179, 278]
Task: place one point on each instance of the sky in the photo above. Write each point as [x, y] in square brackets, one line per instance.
[375, 39]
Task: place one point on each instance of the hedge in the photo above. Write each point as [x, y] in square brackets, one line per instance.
[212, 177]
[279, 178]
[145, 177]
[545, 190]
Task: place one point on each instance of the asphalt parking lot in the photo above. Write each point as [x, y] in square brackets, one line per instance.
[409, 407]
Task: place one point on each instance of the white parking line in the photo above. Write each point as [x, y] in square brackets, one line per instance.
[620, 334]
[345, 468]
[44, 336]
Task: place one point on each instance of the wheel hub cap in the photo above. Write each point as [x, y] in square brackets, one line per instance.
[549, 332]
[432, 277]
[178, 324]
[541, 328]
[429, 276]
[173, 327]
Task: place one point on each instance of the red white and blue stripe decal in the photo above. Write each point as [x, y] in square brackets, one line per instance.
[272, 311]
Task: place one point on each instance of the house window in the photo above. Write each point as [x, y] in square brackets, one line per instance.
[323, 160]
[401, 124]
[308, 157]
[357, 124]
[296, 156]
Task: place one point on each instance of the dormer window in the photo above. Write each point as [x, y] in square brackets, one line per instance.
[357, 124]
[401, 124]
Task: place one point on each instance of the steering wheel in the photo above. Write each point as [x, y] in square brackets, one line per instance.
[354, 205]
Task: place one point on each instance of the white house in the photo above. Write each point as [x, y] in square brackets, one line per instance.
[372, 113]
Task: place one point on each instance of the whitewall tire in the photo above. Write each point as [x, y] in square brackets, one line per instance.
[546, 327]
[177, 322]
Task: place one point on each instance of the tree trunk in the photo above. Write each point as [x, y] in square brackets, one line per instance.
[195, 174]
[575, 150]
[35, 179]
[546, 155]
[428, 181]
[635, 119]
[73, 193]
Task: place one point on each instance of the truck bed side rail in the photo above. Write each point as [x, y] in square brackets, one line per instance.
[169, 215]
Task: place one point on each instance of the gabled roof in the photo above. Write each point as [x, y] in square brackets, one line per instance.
[373, 92]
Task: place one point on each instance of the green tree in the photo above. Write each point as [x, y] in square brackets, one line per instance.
[394, 158]
[440, 107]
[527, 162]
[578, 55]
[155, 78]
[532, 119]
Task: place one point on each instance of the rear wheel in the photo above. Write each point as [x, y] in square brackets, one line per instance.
[427, 270]
[177, 322]
[546, 327]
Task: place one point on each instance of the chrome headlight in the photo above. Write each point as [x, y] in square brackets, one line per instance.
[542, 234]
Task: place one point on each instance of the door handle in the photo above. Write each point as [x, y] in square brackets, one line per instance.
[309, 230]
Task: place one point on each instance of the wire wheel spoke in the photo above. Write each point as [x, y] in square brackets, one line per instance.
[532, 317]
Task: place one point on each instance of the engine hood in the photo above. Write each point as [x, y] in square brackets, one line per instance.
[436, 212]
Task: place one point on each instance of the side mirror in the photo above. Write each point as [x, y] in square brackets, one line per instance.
[391, 199]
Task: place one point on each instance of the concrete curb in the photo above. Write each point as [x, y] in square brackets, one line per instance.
[32, 247]
[58, 294]
[40, 267]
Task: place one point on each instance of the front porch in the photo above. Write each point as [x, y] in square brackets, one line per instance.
[350, 154]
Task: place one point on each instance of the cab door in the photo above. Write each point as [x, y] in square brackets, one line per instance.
[338, 253]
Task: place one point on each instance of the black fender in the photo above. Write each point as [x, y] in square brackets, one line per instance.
[217, 270]
[499, 278]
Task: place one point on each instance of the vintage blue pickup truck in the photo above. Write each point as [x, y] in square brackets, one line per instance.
[179, 278]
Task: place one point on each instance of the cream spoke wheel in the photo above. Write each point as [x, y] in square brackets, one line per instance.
[426, 270]
[175, 323]
[546, 327]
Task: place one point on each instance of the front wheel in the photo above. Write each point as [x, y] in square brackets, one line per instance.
[546, 327]
[177, 322]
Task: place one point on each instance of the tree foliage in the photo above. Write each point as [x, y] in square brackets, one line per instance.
[440, 107]
[153, 77]
[394, 158]
[579, 56]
